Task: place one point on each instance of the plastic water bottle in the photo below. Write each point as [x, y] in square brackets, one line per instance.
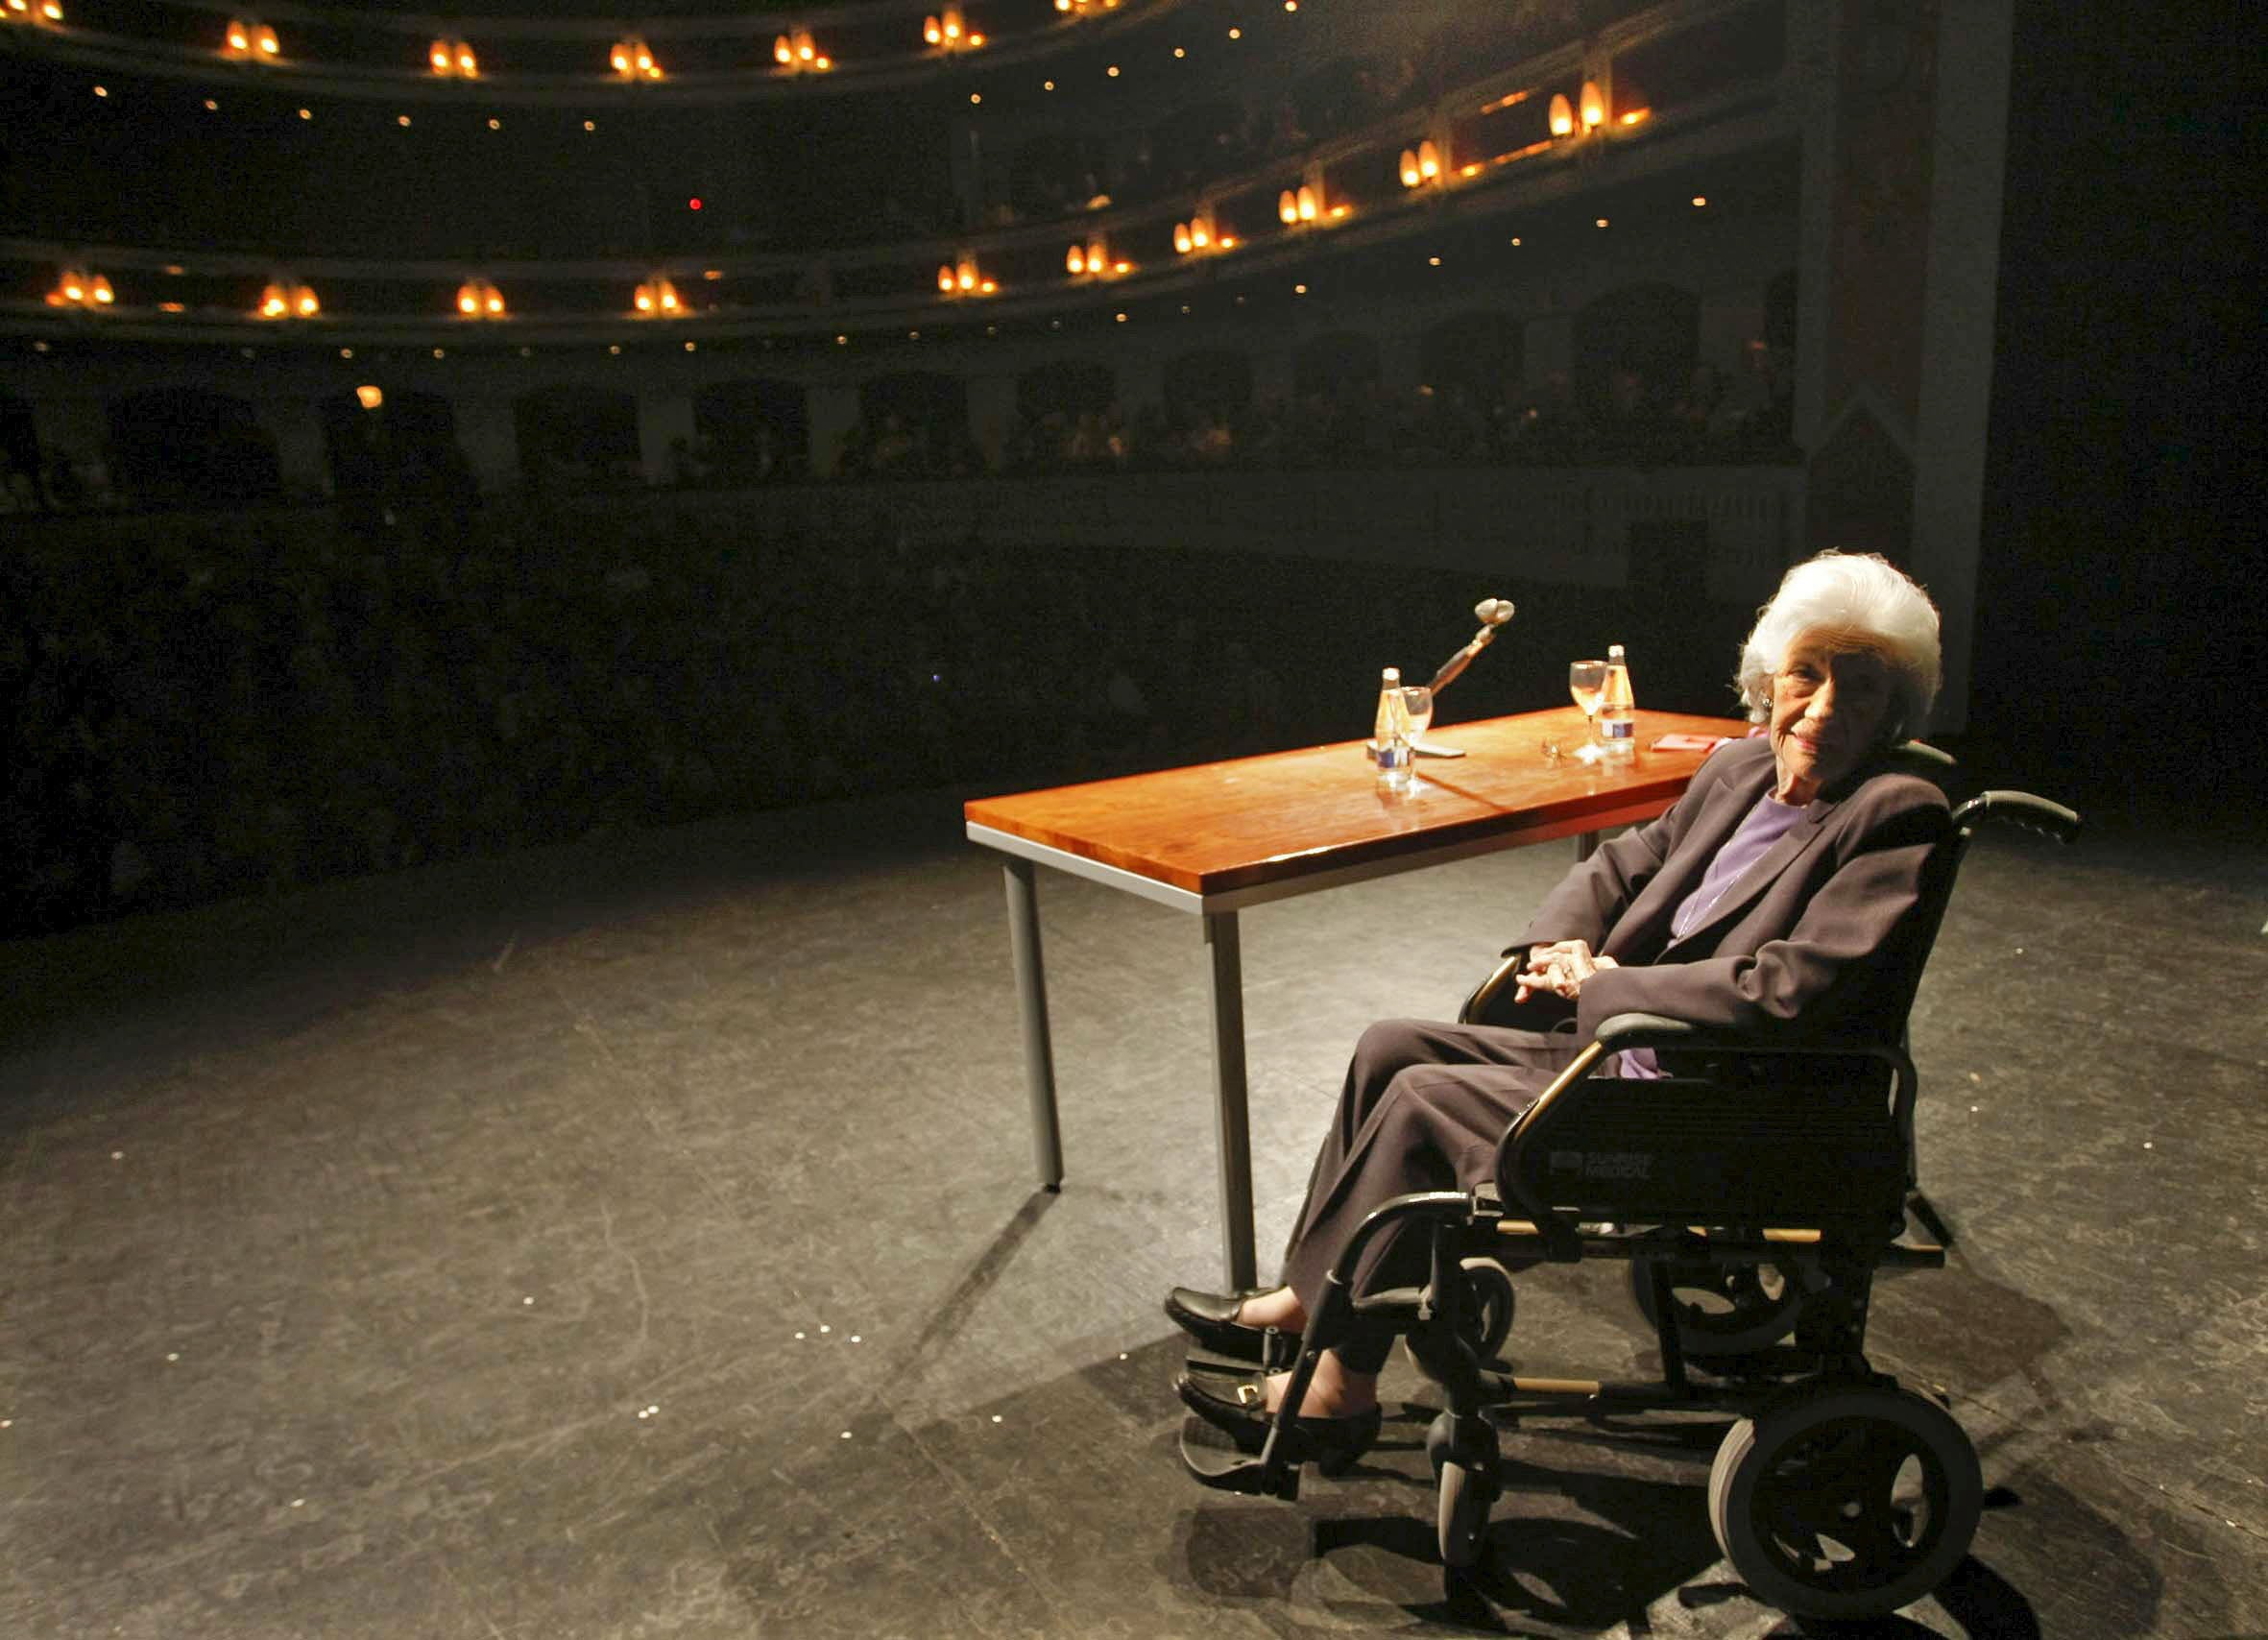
[1390, 737]
[1618, 709]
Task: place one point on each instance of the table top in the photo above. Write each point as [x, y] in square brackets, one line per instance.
[1249, 822]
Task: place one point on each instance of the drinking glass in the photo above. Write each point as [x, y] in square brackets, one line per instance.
[1419, 701]
[1586, 682]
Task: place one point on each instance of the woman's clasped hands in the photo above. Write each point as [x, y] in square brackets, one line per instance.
[1561, 968]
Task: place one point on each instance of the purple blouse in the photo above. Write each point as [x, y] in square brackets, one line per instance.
[1759, 829]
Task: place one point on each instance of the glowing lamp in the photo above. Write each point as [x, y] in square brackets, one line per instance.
[1287, 208]
[303, 302]
[442, 62]
[74, 285]
[468, 65]
[1098, 259]
[667, 294]
[1183, 241]
[1410, 171]
[944, 279]
[1594, 106]
[1200, 232]
[368, 395]
[273, 303]
[1562, 115]
[1429, 160]
[1075, 260]
[267, 42]
[101, 291]
[621, 58]
[239, 38]
[1307, 203]
[468, 298]
[931, 32]
[782, 51]
[643, 299]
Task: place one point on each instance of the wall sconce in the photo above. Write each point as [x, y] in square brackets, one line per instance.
[631, 59]
[249, 41]
[656, 298]
[798, 54]
[285, 298]
[1421, 164]
[964, 278]
[948, 31]
[1093, 260]
[454, 59]
[370, 396]
[78, 288]
[1199, 235]
[1593, 107]
[479, 299]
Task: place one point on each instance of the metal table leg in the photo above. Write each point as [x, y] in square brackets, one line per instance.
[1031, 1006]
[1235, 1138]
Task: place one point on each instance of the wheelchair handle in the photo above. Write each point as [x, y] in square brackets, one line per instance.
[2020, 809]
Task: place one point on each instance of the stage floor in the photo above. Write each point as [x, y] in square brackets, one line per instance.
[638, 1238]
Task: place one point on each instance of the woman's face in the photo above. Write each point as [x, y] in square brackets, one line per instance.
[1829, 705]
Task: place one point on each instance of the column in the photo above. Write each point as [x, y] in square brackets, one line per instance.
[489, 435]
[1970, 154]
[992, 414]
[301, 455]
[665, 416]
[834, 411]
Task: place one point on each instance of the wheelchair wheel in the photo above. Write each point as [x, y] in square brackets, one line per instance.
[1493, 1304]
[1466, 1499]
[1845, 1501]
[1723, 1310]
[1462, 1452]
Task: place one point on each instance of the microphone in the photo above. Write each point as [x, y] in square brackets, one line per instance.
[1493, 614]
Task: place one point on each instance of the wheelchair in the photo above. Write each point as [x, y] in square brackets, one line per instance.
[1754, 1192]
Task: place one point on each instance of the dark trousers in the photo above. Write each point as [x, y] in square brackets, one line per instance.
[1423, 1108]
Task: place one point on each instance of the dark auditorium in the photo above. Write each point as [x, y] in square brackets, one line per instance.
[1131, 820]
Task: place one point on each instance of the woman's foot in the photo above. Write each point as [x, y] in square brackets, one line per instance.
[1332, 1393]
[1238, 1408]
[1263, 1328]
[1280, 1309]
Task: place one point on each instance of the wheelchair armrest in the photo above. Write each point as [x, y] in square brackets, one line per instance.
[1491, 1001]
[1621, 1032]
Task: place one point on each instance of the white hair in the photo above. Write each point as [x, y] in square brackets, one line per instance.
[1856, 600]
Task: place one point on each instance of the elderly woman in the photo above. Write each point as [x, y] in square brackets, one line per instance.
[1754, 904]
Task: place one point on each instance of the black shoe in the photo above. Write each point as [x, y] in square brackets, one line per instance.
[1333, 1445]
[1211, 1318]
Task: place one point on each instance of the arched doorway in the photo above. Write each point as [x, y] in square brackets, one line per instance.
[577, 438]
[407, 443]
[758, 431]
[190, 445]
[911, 424]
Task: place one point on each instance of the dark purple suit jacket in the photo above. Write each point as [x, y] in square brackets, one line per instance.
[1809, 933]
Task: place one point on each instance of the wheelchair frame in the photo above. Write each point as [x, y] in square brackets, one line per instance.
[1811, 1496]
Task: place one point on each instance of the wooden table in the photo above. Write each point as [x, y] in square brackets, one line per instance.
[1212, 838]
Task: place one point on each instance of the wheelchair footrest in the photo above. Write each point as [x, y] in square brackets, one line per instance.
[1214, 1461]
[1211, 1364]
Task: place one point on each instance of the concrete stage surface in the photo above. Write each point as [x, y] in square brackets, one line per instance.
[638, 1238]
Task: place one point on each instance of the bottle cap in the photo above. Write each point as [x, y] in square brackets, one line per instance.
[1391, 675]
[1614, 652]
